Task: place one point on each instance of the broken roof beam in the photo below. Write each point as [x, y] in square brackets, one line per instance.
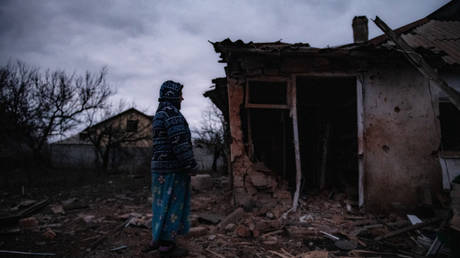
[418, 62]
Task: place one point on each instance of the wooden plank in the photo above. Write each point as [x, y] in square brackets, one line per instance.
[360, 121]
[267, 106]
[419, 62]
[24, 213]
[409, 228]
[250, 142]
[296, 145]
[284, 144]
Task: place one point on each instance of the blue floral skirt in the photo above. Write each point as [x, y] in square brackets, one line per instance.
[170, 205]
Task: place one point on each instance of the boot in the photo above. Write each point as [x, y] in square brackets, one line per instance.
[151, 247]
[170, 249]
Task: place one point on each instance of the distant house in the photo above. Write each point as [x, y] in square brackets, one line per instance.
[129, 137]
[357, 118]
[123, 141]
[131, 128]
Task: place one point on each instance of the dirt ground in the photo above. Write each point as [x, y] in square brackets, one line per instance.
[112, 219]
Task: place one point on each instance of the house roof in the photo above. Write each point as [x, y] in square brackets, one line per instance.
[437, 34]
[134, 110]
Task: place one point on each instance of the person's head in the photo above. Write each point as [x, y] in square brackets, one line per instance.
[171, 91]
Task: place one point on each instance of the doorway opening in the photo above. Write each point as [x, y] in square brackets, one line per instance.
[327, 119]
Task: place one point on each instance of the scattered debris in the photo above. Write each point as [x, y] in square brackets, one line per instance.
[201, 182]
[57, 209]
[320, 224]
[24, 213]
[306, 218]
[49, 234]
[242, 231]
[73, 204]
[29, 223]
[23, 204]
[413, 219]
[87, 218]
[118, 248]
[209, 218]
[26, 253]
[409, 228]
[230, 227]
[232, 217]
[346, 244]
[197, 231]
[330, 236]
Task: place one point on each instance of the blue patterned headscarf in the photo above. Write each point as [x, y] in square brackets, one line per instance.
[170, 91]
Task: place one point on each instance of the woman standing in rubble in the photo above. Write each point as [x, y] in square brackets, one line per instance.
[171, 167]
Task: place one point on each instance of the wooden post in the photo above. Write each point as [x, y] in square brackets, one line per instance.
[322, 178]
[418, 62]
[283, 145]
[360, 120]
[298, 178]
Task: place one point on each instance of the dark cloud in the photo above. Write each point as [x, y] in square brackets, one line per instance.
[145, 42]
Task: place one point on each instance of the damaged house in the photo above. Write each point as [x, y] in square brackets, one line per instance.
[358, 118]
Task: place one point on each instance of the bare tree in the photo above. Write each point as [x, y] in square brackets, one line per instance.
[211, 133]
[108, 135]
[39, 105]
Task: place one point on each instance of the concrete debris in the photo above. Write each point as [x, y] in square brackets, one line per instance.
[232, 218]
[49, 234]
[142, 222]
[413, 219]
[73, 204]
[202, 182]
[29, 223]
[230, 227]
[270, 215]
[307, 218]
[242, 231]
[259, 180]
[87, 218]
[209, 218]
[197, 231]
[346, 244]
[271, 241]
[57, 209]
[315, 254]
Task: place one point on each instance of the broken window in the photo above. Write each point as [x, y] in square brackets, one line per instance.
[272, 139]
[267, 92]
[449, 117]
[131, 125]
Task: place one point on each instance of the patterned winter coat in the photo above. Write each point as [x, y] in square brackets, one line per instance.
[172, 145]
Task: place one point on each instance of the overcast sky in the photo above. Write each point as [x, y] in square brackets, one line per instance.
[144, 43]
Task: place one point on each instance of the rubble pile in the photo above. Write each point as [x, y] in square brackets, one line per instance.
[114, 219]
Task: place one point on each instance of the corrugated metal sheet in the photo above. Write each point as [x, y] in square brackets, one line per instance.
[439, 37]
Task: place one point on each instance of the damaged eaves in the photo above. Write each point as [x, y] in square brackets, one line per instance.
[219, 96]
